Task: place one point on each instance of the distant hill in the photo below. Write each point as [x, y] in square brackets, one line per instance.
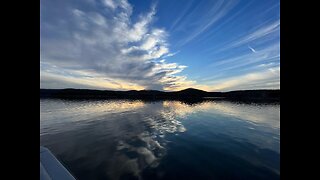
[192, 91]
[185, 94]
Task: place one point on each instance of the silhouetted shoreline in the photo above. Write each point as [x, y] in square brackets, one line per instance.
[188, 95]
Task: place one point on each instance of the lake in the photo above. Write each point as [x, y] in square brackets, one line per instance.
[132, 139]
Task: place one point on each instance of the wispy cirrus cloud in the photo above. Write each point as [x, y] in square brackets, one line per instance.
[200, 23]
[267, 54]
[262, 32]
[248, 70]
[260, 35]
[232, 62]
[183, 13]
[108, 44]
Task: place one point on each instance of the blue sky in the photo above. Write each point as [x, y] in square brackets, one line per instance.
[214, 45]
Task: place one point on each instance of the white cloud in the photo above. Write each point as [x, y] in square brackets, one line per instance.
[269, 78]
[110, 3]
[149, 43]
[113, 4]
[84, 45]
[109, 44]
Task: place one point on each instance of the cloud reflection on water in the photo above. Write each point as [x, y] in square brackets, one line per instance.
[130, 136]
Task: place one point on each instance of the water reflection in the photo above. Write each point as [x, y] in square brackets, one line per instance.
[135, 155]
[266, 114]
[124, 139]
[253, 123]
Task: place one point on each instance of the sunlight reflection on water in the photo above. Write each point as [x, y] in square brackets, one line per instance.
[113, 139]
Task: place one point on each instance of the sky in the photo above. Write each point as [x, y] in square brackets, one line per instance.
[213, 45]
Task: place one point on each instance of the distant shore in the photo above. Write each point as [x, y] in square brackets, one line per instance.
[189, 94]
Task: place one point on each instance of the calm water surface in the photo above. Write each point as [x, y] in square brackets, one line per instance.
[122, 139]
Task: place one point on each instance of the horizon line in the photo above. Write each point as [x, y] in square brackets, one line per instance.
[156, 90]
